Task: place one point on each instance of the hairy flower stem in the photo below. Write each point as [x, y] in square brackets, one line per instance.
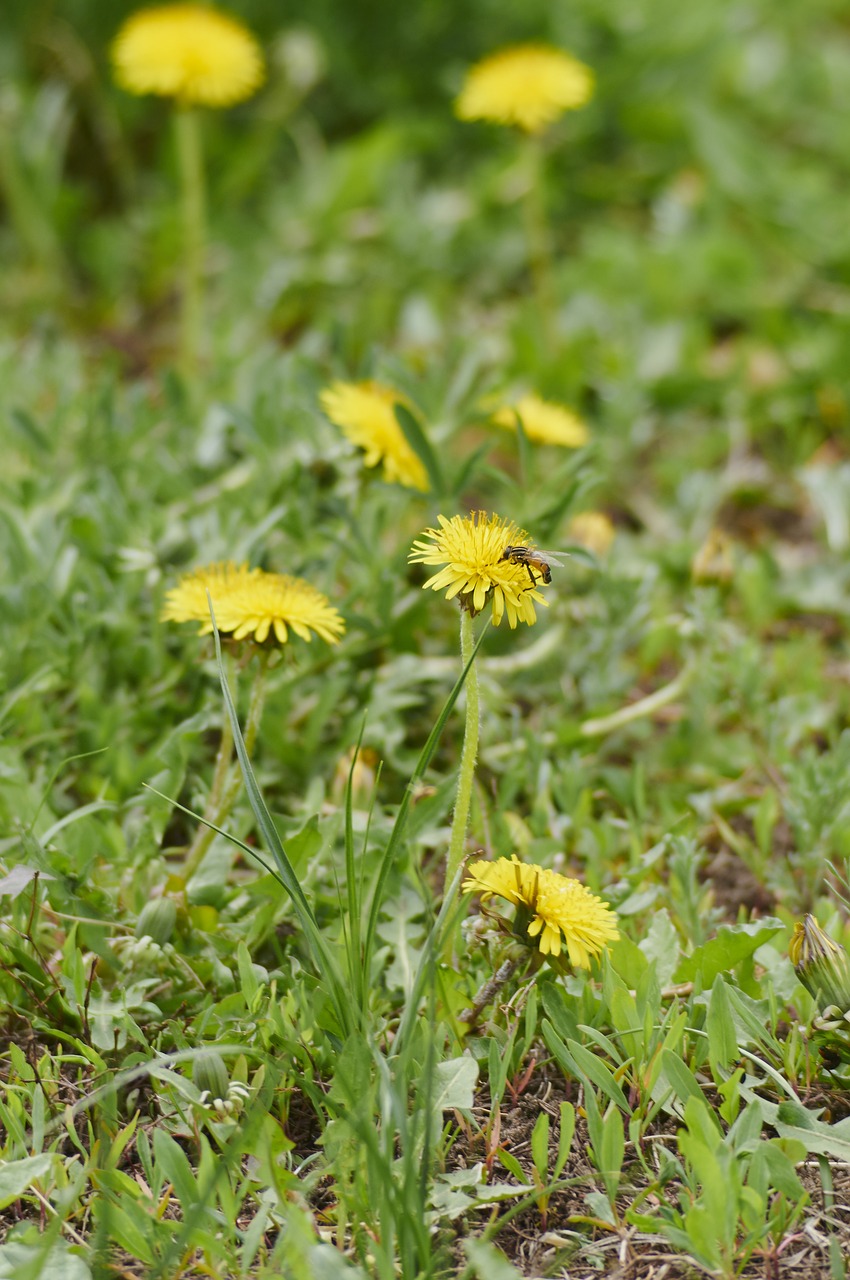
[226, 781]
[538, 235]
[491, 988]
[468, 755]
[191, 166]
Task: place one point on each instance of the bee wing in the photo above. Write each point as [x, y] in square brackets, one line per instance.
[554, 557]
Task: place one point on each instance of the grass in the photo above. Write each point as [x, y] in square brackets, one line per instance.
[265, 1065]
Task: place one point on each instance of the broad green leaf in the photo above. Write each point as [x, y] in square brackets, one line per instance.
[720, 1027]
[732, 944]
[25, 1262]
[455, 1082]
[627, 960]
[172, 1160]
[18, 1175]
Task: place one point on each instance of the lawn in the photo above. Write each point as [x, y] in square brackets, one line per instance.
[383, 893]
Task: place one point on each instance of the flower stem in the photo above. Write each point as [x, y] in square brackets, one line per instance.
[538, 235]
[468, 755]
[226, 781]
[490, 989]
[192, 195]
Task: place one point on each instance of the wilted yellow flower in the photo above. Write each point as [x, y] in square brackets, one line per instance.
[592, 529]
[365, 413]
[188, 52]
[472, 551]
[251, 602]
[544, 422]
[558, 911]
[527, 85]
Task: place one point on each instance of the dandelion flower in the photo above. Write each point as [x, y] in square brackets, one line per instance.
[527, 85]
[471, 551]
[561, 913]
[188, 52]
[250, 602]
[592, 529]
[544, 422]
[365, 413]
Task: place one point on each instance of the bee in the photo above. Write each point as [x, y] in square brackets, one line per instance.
[535, 561]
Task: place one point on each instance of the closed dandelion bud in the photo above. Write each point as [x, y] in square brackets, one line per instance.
[209, 1075]
[156, 920]
[822, 965]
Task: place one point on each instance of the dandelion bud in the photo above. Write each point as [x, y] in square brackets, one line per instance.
[822, 965]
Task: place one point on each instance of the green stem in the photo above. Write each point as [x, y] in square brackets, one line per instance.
[226, 782]
[193, 202]
[457, 842]
[538, 235]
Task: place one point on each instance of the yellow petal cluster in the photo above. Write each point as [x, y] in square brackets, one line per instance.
[526, 85]
[365, 412]
[544, 422]
[564, 914]
[251, 602]
[470, 549]
[188, 52]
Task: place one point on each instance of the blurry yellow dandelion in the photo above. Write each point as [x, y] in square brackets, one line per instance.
[527, 85]
[592, 529]
[251, 602]
[544, 422]
[188, 52]
[561, 913]
[365, 413]
[471, 550]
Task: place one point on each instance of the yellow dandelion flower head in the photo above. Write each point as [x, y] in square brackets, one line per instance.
[471, 550]
[592, 529]
[527, 85]
[544, 422]
[253, 603]
[189, 52]
[365, 412]
[561, 913]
